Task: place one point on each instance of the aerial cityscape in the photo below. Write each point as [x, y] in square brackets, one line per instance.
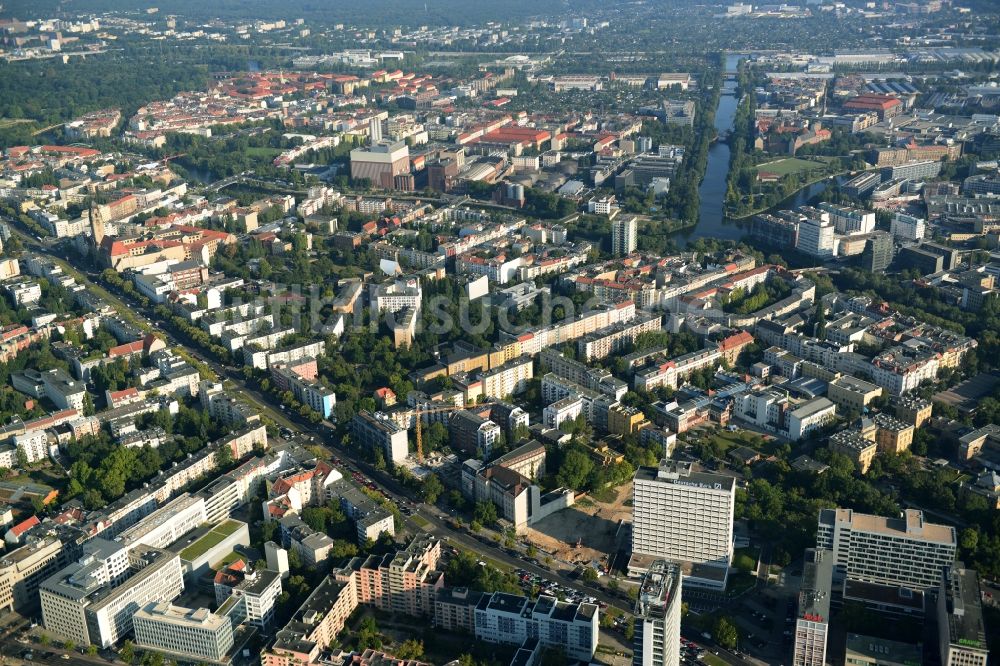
[426, 333]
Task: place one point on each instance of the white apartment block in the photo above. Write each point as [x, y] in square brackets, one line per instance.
[34, 444]
[561, 411]
[684, 517]
[899, 552]
[624, 236]
[657, 636]
[378, 431]
[79, 602]
[612, 339]
[907, 228]
[508, 379]
[510, 619]
[256, 592]
[899, 377]
[403, 293]
[194, 634]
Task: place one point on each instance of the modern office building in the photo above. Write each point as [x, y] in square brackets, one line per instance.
[812, 624]
[511, 619]
[961, 632]
[190, 634]
[22, 570]
[878, 252]
[658, 617]
[83, 603]
[167, 524]
[862, 650]
[685, 517]
[907, 228]
[256, 592]
[624, 236]
[848, 220]
[816, 238]
[902, 552]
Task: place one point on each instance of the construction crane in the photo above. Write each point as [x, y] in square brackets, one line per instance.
[418, 413]
[171, 157]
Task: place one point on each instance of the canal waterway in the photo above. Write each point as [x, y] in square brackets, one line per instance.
[712, 222]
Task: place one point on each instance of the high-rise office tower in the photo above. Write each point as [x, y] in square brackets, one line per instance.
[685, 517]
[658, 617]
[897, 552]
[812, 624]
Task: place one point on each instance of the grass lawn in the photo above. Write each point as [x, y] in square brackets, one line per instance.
[713, 660]
[727, 440]
[420, 520]
[605, 495]
[229, 559]
[789, 165]
[210, 540]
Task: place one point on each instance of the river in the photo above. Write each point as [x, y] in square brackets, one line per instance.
[712, 222]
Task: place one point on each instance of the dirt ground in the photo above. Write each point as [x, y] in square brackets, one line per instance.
[591, 523]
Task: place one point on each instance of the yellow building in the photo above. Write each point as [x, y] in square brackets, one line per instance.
[916, 411]
[893, 435]
[849, 392]
[623, 420]
[852, 444]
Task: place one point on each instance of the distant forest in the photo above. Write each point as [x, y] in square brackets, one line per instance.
[369, 13]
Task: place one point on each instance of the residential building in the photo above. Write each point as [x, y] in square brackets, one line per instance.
[878, 252]
[314, 626]
[510, 619]
[472, 433]
[848, 220]
[561, 411]
[186, 633]
[508, 379]
[812, 623]
[893, 435]
[657, 638]
[913, 409]
[624, 236]
[378, 431]
[854, 445]
[402, 582]
[685, 517]
[906, 551]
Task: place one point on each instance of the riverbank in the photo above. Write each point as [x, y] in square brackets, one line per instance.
[783, 204]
